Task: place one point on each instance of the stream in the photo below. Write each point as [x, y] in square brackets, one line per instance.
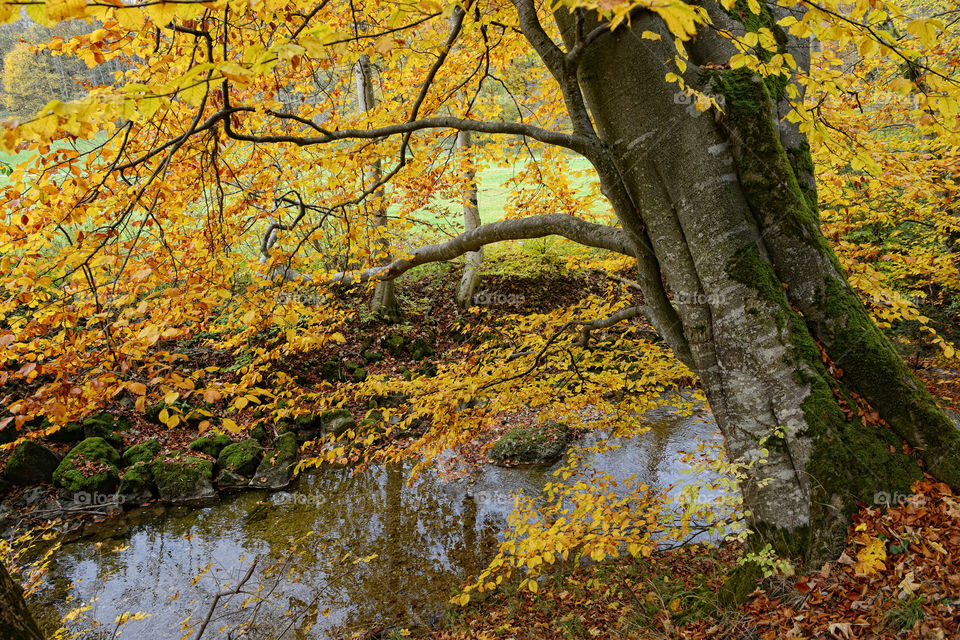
[416, 543]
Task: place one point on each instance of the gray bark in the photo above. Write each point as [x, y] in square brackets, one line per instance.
[727, 210]
[471, 220]
[384, 300]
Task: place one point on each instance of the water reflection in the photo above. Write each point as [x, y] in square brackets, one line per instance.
[427, 538]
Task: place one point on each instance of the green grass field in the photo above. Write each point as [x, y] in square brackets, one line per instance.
[445, 218]
[14, 159]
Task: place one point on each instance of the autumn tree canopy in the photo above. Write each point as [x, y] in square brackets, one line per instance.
[225, 185]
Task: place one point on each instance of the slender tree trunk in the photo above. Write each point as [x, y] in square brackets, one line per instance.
[16, 622]
[384, 301]
[725, 205]
[471, 220]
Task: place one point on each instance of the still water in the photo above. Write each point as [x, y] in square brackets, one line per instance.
[418, 543]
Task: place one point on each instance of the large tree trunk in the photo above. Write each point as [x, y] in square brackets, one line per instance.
[16, 623]
[727, 205]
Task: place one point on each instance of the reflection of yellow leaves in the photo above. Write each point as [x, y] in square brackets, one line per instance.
[871, 557]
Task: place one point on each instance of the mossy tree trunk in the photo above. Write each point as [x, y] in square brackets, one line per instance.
[16, 622]
[740, 280]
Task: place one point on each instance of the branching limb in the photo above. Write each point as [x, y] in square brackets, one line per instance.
[578, 143]
[553, 224]
[605, 323]
[223, 594]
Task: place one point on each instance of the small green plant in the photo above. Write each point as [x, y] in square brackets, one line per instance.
[905, 613]
[768, 561]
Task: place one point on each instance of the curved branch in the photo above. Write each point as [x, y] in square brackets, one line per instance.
[580, 144]
[553, 224]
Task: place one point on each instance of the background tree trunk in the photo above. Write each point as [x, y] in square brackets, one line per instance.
[16, 622]
[384, 301]
[728, 207]
[471, 220]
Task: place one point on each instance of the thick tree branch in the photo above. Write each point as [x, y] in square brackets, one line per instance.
[587, 326]
[580, 144]
[559, 224]
[563, 70]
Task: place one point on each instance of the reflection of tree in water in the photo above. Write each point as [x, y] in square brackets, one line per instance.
[426, 544]
[427, 539]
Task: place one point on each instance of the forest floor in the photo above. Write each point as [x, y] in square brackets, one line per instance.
[898, 578]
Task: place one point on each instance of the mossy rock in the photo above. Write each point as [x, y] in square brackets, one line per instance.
[393, 400]
[228, 480]
[211, 445]
[306, 427]
[427, 369]
[31, 463]
[152, 413]
[9, 432]
[337, 421]
[395, 344]
[276, 468]
[330, 371]
[92, 450]
[373, 418]
[106, 425]
[68, 433]
[357, 372]
[543, 444]
[258, 433]
[372, 356]
[143, 452]
[241, 458]
[136, 484]
[183, 478]
[421, 348]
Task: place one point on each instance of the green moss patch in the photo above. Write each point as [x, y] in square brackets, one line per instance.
[31, 463]
[241, 458]
[143, 452]
[183, 478]
[211, 445]
[90, 467]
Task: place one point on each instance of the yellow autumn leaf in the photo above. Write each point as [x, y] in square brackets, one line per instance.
[870, 559]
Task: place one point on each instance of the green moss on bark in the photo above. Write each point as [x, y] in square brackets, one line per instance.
[749, 268]
[873, 369]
